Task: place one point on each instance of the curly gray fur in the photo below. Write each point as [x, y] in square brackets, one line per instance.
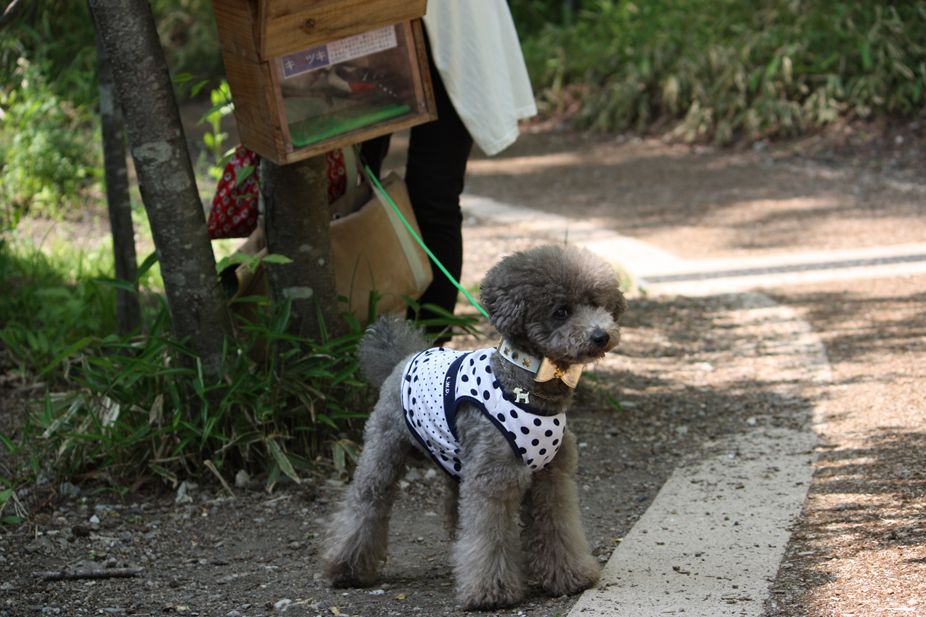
[385, 343]
[558, 302]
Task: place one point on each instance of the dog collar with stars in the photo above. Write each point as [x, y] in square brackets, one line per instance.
[544, 368]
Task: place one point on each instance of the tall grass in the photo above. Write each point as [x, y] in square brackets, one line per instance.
[51, 300]
[141, 407]
[725, 69]
[126, 409]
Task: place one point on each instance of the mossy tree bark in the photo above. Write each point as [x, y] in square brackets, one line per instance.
[165, 175]
[297, 222]
[128, 308]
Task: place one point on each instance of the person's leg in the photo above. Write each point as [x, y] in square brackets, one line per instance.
[437, 156]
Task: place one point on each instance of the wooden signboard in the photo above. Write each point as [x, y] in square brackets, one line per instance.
[309, 76]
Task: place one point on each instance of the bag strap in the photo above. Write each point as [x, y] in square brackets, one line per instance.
[420, 270]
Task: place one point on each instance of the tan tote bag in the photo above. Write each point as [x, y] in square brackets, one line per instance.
[370, 247]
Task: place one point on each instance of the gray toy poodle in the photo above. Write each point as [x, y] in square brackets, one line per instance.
[494, 420]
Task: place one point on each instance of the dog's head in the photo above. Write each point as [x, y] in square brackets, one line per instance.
[559, 302]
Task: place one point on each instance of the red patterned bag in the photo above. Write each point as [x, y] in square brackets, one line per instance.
[235, 207]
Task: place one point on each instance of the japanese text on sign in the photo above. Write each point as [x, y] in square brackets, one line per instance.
[338, 51]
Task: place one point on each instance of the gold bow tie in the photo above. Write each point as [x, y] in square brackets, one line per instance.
[549, 370]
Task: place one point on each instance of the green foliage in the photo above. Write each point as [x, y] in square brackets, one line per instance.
[11, 511]
[727, 69]
[214, 138]
[45, 164]
[133, 406]
[120, 409]
[56, 36]
[141, 405]
[51, 301]
[47, 88]
[251, 262]
[189, 36]
[50, 156]
[531, 16]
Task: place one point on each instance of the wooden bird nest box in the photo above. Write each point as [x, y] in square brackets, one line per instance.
[308, 76]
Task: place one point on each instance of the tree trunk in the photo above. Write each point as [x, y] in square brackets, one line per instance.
[297, 220]
[128, 308]
[165, 174]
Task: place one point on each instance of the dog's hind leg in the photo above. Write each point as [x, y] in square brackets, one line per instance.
[358, 534]
[554, 539]
[451, 507]
[487, 556]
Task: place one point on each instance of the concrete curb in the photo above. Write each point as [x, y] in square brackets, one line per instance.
[712, 540]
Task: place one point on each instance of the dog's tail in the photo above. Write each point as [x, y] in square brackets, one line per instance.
[385, 344]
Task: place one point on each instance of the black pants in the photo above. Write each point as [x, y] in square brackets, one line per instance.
[434, 174]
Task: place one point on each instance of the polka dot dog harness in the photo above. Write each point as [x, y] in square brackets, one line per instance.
[437, 380]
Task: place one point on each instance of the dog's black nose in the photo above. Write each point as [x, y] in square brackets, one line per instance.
[599, 337]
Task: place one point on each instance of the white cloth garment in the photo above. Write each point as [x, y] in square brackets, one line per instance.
[475, 48]
[437, 380]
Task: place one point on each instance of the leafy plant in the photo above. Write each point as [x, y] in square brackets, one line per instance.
[51, 303]
[251, 262]
[45, 165]
[9, 502]
[56, 36]
[725, 70]
[214, 138]
[12, 511]
[125, 409]
[142, 406]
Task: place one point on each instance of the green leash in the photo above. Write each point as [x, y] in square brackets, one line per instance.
[421, 243]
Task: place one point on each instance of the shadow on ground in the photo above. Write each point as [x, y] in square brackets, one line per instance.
[744, 200]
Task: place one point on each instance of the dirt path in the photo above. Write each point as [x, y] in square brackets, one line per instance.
[860, 547]
[684, 379]
[852, 228]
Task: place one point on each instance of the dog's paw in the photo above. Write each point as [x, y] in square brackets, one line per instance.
[492, 595]
[343, 574]
[572, 579]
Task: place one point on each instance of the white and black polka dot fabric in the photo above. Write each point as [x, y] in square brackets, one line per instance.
[437, 380]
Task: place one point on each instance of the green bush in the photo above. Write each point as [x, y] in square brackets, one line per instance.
[189, 37]
[122, 409]
[46, 163]
[50, 152]
[57, 37]
[51, 300]
[47, 121]
[140, 407]
[726, 69]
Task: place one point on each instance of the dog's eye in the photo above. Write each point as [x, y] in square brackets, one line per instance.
[561, 313]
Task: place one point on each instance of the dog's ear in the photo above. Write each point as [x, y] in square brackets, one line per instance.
[616, 303]
[502, 302]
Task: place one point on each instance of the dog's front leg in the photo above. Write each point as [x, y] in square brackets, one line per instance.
[487, 556]
[555, 542]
